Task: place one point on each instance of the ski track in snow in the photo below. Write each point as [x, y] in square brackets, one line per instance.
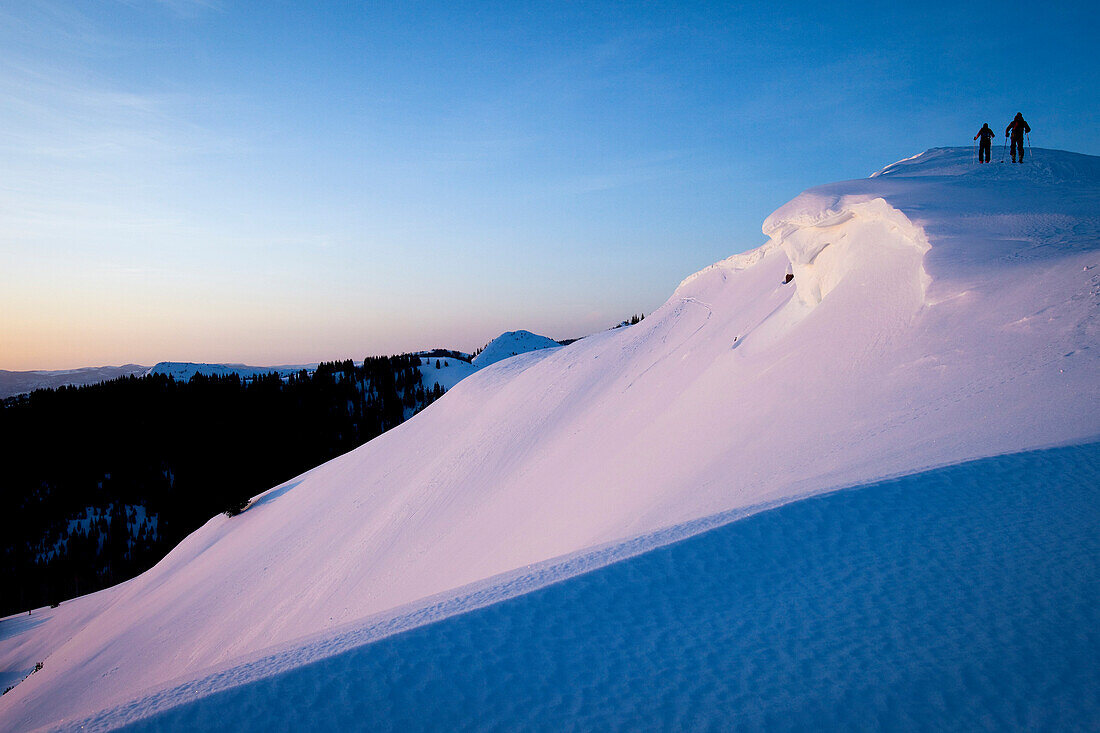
[964, 598]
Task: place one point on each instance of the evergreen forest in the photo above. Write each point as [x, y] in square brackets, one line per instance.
[101, 481]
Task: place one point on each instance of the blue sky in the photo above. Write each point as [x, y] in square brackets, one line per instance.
[275, 182]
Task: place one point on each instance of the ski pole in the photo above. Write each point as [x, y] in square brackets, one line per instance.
[1004, 149]
[1029, 151]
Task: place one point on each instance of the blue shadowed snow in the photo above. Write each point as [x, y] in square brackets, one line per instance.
[962, 598]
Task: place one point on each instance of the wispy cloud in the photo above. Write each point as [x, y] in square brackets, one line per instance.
[84, 162]
[57, 110]
[50, 26]
[54, 115]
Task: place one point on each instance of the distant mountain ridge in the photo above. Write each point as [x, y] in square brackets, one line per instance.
[16, 383]
[187, 369]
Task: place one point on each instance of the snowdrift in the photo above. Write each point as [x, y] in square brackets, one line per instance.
[940, 312]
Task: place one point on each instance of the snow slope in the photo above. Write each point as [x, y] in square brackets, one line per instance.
[451, 371]
[965, 598]
[512, 343]
[940, 312]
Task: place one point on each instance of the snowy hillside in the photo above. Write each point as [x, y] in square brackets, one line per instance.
[447, 371]
[184, 370]
[512, 343]
[940, 312]
[971, 582]
[15, 383]
[447, 374]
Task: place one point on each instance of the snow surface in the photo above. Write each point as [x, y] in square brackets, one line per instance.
[512, 343]
[965, 598]
[940, 312]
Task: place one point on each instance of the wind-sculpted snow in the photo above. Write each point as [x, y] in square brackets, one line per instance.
[965, 598]
[827, 238]
[934, 318]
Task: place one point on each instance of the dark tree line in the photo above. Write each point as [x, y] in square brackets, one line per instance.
[100, 482]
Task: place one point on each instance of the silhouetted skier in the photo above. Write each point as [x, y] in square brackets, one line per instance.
[986, 144]
[1016, 129]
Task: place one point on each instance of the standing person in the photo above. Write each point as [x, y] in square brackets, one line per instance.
[1016, 129]
[986, 144]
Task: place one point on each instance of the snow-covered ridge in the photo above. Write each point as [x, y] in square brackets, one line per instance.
[1041, 166]
[934, 318]
[733, 263]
